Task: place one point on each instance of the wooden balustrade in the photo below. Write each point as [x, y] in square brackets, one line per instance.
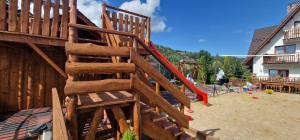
[292, 33]
[282, 59]
[35, 17]
[126, 21]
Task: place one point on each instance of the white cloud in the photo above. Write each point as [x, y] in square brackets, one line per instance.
[92, 9]
[202, 40]
[148, 8]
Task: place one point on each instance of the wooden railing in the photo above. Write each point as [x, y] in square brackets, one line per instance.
[282, 59]
[292, 33]
[36, 17]
[274, 79]
[126, 21]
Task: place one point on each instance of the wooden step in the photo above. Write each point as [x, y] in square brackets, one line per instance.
[157, 119]
[185, 136]
[176, 132]
[96, 50]
[99, 68]
[84, 87]
[148, 110]
[172, 125]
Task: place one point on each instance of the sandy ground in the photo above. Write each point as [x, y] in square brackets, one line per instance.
[236, 116]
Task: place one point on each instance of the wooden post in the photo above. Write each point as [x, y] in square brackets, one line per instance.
[94, 125]
[157, 91]
[20, 81]
[148, 30]
[182, 89]
[72, 101]
[136, 117]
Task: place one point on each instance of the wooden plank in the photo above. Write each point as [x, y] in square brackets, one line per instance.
[96, 50]
[159, 101]
[82, 87]
[99, 68]
[142, 34]
[20, 81]
[121, 23]
[126, 23]
[71, 116]
[91, 134]
[131, 24]
[157, 91]
[12, 15]
[64, 20]
[120, 117]
[94, 97]
[3, 15]
[48, 60]
[111, 95]
[29, 90]
[59, 124]
[148, 32]
[25, 16]
[54, 28]
[37, 17]
[114, 20]
[46, 21]
[41, 87]
[24, 38]
[137, 26]
[164, 82]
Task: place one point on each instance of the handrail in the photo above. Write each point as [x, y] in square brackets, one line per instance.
[97, 29]
[147, 68]
[159, 101]
[125, 11]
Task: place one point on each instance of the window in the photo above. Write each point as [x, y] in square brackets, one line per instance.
[297, 24]
[277, 72]
[287, 49]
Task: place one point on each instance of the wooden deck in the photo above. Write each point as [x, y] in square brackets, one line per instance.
[280, 84]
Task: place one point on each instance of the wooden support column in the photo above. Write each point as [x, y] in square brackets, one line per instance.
[71, 101]
[94, 125]
[120, 117]
[148, 30]
[137, 117]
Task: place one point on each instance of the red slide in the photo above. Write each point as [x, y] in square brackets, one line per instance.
[201, 95]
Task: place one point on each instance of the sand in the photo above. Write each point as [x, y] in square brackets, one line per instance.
[236, 116]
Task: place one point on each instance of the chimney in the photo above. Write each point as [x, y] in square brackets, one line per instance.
[292, 6]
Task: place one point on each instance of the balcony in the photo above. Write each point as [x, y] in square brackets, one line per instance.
[292, 35]
[282, 59]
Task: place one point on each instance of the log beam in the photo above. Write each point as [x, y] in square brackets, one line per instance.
[99, 68]
[83, 87]
[96, 50]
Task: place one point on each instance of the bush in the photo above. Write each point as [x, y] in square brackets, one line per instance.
[128, 135]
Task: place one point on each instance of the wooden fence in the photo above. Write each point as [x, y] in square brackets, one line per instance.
[36, 17]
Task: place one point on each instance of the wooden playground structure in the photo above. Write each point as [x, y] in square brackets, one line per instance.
[87, 73]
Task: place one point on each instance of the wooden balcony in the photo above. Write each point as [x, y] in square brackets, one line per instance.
[39, 21]
[292, 35]
[282, 59]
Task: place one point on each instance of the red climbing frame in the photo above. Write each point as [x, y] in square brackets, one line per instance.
[201, 95]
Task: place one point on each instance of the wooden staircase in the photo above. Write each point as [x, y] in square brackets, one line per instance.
[114, 80]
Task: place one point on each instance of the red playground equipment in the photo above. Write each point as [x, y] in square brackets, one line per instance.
[201, 95]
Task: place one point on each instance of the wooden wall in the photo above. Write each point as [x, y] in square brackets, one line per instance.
[26, 79]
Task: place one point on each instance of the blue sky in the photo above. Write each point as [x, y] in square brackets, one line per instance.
[219, 26]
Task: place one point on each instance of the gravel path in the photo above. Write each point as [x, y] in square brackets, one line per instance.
[241, 117]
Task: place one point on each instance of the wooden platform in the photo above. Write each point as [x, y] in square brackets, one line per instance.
[104, 99]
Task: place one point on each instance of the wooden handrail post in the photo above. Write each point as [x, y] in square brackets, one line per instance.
[71, 102]
[137, 117]
[182, 89]
[135, 44]
[148, 30]
[157, 91]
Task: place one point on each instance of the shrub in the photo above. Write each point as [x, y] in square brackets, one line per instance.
[128, 135]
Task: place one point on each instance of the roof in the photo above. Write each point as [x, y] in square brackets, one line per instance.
[258, 37]
[258, 45]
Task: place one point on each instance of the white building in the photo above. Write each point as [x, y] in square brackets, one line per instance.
[282, 43]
